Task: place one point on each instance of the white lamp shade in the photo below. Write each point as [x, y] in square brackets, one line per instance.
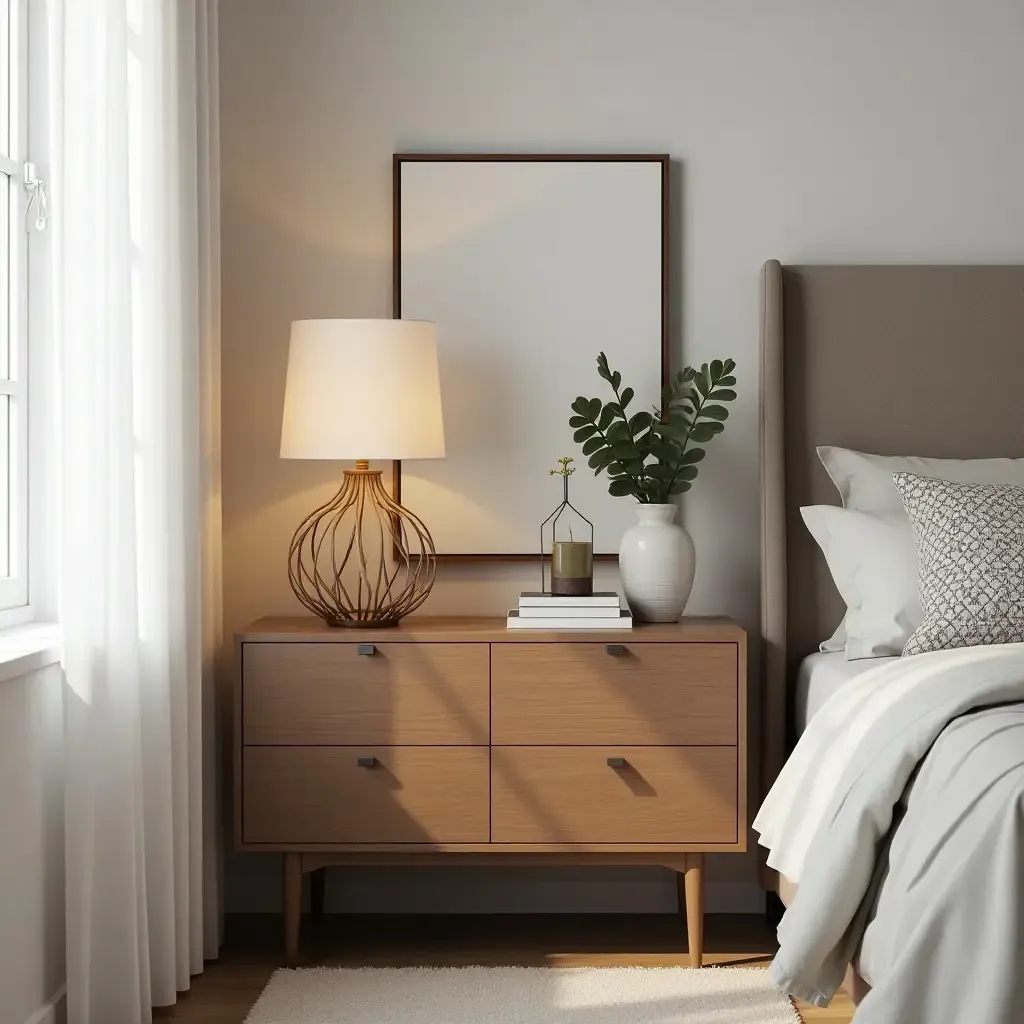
[362, 389]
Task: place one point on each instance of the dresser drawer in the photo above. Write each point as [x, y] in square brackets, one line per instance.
[635, 693]
[572, 795]
[323, 795]
[295, 693]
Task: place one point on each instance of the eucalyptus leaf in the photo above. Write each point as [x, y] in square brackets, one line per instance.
[653, 454]
[645, 440]
[621, 486]
[674, 429]
[664, 451]
[641, 421]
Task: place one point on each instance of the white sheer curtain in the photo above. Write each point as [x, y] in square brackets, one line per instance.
[133, 179]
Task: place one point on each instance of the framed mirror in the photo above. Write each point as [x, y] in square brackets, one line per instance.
[530, 265]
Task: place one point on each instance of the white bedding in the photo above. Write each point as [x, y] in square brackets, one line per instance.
[923, 878]
[822, 675]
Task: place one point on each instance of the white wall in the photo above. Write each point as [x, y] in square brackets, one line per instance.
[31, 848]
[806, 130]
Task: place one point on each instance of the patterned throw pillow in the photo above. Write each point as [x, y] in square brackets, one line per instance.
[970, 550]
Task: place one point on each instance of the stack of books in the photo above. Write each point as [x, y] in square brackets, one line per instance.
[552, 611]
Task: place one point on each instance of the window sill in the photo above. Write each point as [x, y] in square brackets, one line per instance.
[28, 648]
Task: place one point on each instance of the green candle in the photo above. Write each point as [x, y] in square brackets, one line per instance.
[572, 567]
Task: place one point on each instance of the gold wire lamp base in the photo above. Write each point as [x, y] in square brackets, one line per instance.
[339, 564]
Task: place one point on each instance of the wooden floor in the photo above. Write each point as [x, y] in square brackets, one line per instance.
[226, 991]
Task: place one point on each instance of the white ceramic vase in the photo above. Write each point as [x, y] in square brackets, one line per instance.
[656, 562]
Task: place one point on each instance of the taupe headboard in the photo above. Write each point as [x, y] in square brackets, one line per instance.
[898, 360]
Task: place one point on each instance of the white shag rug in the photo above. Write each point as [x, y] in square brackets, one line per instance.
[522, 995]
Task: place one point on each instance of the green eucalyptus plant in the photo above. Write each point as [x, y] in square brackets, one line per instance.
[653, 455]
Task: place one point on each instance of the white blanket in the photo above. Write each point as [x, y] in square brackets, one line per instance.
[827, 823]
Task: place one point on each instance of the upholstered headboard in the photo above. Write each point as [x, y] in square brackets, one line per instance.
[898, 360]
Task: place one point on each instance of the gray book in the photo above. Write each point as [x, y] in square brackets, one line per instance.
[535, 599]
[521, 620]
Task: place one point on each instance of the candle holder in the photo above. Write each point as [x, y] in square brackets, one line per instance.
[572, 559]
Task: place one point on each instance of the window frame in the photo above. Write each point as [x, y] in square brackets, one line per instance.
[15, 603]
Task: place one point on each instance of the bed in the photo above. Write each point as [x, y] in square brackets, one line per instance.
[821, 675]
[873, 358]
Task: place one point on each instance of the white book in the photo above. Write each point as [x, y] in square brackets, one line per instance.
[535, 599]
[571, 611]
[516, 620]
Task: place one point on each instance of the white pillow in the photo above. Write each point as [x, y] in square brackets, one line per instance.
[865, 481]
[837, 641]
[873, 561]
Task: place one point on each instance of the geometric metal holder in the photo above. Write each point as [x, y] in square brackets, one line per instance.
[565, 471]
[338, 563]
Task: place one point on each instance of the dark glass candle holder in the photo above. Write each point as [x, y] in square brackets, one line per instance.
[572, 558]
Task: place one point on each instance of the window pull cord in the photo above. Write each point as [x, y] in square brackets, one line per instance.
[36, 189]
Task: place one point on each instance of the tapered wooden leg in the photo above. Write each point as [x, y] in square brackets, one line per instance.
[292, 906]
[693, 898]
[317, 892]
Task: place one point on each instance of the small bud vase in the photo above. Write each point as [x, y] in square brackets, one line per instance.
[656, 563]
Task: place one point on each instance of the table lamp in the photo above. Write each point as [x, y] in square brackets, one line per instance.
[362, 390]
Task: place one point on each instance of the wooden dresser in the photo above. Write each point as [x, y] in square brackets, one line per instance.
[458, 741]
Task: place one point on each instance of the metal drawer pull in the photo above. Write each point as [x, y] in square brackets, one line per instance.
[617, 762]
[616, 648]
[366, 762]
[367, 649]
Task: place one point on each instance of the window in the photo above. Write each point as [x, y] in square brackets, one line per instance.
[13, 306]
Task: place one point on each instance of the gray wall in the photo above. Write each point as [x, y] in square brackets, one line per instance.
[31, 848]
[806, 130]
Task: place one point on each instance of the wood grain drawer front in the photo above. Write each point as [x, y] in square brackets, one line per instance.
[636, 693]
[310, 795]
[398, 694]
[572, 795]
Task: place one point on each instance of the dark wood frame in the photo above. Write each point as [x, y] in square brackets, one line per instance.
[396, 273]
